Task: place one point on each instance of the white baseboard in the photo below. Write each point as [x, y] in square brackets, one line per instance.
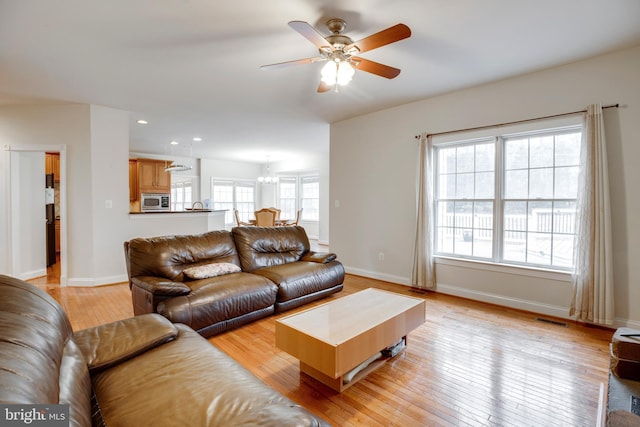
[33, 274]
[505, 301]
[98, 281]
[380, 276]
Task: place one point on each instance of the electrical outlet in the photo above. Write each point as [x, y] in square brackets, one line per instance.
[381, 256]
[108, 204]
[336, 203]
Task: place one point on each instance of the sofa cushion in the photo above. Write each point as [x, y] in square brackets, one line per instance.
[211, 270]
[168, 256]
[301, 278]
[189, 382]
[113, 343]
[220, 298]
[260, 247]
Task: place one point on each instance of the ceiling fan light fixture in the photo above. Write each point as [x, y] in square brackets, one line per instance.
[337, 72]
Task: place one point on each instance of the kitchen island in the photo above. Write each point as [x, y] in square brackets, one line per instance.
[149, 224]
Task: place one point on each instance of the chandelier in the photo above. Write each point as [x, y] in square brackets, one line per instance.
[268, 179]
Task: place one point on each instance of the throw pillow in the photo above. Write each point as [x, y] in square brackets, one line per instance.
[211, 270]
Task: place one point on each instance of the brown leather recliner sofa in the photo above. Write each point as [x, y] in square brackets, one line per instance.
[141, 371]
[263, 270]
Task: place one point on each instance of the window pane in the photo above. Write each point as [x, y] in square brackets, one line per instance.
[516, 184]
[564, 217]
[541, 183]
[514, 246]
[483, 229]
[516, 154]
[464, 186]
[568, 149]
[447, 160]
[541, 152]
[485, 157]
[566, 182]
[540, 217]
[515, 216]
[310, 199]
[465, 159]
[447, 186]
[563, 250]
[484, 185]
[539, 248]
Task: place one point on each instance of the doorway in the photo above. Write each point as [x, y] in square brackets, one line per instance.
[19, 249]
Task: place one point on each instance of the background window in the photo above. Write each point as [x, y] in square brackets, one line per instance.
[310, 198]
[230, 195]
[181, 194]
[287, 195]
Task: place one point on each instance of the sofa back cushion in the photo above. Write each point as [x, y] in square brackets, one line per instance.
[260, 247]
[169, 256]
[39, 361]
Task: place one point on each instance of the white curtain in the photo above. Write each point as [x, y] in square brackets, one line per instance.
[424, 274]
[593, 273]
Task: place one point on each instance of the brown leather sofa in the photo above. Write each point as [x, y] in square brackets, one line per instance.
[276, 271]
[141, 371]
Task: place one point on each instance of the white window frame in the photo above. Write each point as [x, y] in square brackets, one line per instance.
[179, 183]
[309, 215]
[245, 209]
[499, 135]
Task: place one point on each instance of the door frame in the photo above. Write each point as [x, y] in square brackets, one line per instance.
[11, 213]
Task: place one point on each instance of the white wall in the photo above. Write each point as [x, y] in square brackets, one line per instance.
[97, 141]
[373, 170]
[28, 212]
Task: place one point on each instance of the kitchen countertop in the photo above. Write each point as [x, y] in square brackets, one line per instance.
[179, 212]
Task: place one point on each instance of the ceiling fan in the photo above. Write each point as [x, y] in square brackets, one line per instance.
[341, 52]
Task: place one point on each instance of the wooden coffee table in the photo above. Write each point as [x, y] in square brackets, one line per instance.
[332, 339]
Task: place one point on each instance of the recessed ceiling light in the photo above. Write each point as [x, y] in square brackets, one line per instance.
[197, 139]
[142, 122]
[174, 142]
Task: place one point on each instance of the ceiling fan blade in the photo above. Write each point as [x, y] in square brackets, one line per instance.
[294, 62]
[382, 38]
[375, 68]
[310, 33]
[323, 87]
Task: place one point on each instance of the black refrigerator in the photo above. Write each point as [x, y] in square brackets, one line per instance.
[50, 212]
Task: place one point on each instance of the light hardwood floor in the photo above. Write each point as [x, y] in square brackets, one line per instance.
[470, 364]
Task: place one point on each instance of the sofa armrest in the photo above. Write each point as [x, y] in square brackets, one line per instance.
[107, 345]
[321, 257]
[160, 286]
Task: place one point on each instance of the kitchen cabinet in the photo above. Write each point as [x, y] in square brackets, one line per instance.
[134, 185]
[152, 178]
[52, 165]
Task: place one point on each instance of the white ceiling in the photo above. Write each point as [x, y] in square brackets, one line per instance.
[192, 67]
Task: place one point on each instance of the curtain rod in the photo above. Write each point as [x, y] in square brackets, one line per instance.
[514, 122]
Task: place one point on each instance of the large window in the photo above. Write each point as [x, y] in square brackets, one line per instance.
[299, 192]
[509, 198]
[310, 198]
[287, 196]
[182, 190]
[232, 195]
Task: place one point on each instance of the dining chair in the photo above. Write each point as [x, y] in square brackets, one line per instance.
[295, 221]
[276, 211]
[265, 218]
[237, 215]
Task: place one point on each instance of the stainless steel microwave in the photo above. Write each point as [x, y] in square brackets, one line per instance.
[151, 202]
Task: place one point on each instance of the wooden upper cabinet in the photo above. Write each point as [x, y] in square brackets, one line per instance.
[134, 187]
[152, 178]
[52, 165]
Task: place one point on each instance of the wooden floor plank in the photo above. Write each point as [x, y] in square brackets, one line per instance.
[470, 364]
